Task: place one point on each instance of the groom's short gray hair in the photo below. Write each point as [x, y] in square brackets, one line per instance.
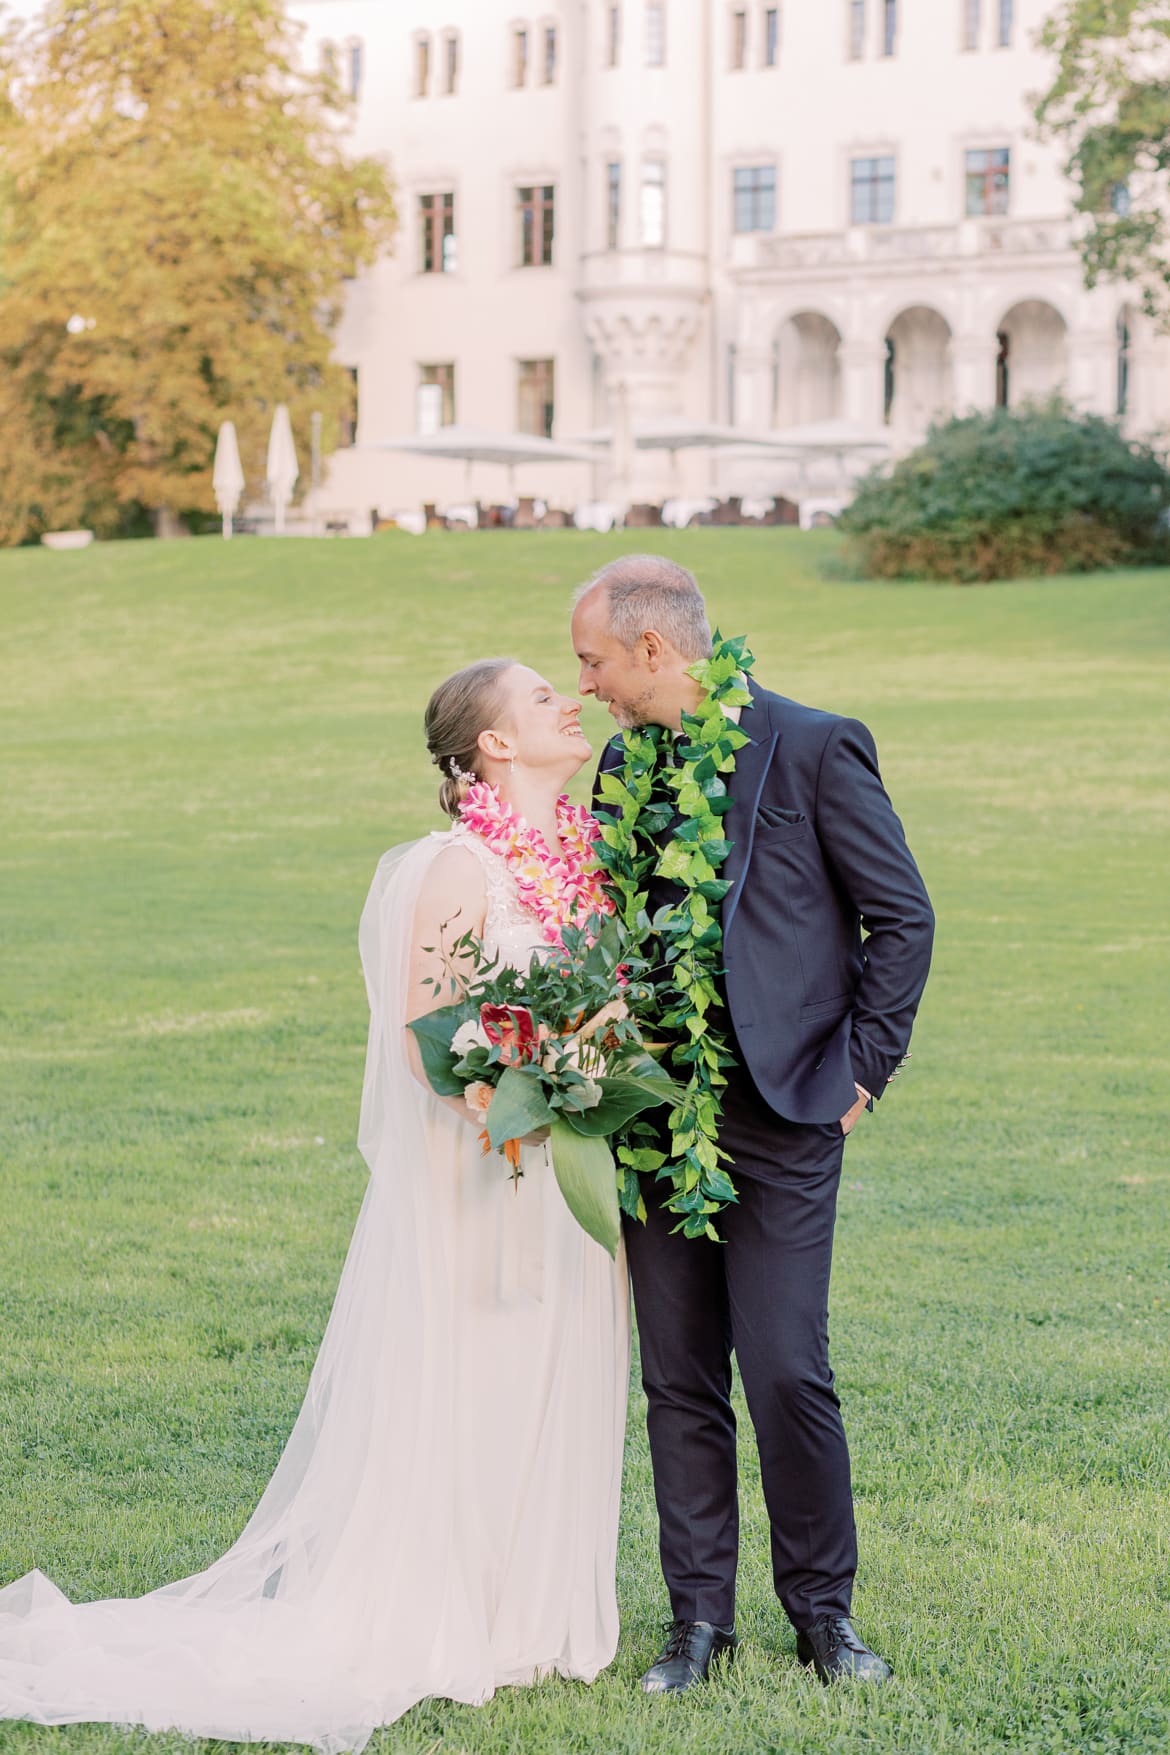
[648, 591]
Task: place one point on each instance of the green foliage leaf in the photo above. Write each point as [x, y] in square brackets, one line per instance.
[433, 1033]
[678, 834]
[519, 1105]
[624, 1099]
[587, 1178]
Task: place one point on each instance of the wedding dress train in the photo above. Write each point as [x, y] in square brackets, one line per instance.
[443, 1519]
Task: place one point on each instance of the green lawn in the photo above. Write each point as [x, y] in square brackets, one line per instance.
[205, 750]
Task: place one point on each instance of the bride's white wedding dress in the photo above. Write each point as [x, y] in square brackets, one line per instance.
[444, 1517]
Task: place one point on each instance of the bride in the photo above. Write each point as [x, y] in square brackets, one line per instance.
[443, 1520]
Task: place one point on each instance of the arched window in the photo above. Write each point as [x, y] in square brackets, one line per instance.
[652, 204]
[856, 29]
[451, 62]
[1003, 369]
[519, 73]
[656, 33]
[972, 19]
[1123, 362]
[422, 64]
[890, 27]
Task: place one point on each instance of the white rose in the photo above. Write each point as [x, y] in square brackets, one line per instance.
[590, 1097]
[468, 1036]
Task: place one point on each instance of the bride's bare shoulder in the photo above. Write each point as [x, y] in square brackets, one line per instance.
[454, 881]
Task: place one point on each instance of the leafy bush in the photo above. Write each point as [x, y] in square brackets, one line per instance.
[1041, 489]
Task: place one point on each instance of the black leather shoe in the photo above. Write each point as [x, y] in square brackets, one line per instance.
[691, 1649]
[835, 1652]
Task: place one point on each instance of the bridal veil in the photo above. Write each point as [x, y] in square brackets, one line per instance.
[357, 1586]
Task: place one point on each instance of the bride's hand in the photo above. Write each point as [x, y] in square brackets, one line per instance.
[538, 1137]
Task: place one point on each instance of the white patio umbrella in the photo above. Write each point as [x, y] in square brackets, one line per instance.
[227, 478]
[472, 445]
[846, 444]
[829, 437]
[282, 470]
[673, 433]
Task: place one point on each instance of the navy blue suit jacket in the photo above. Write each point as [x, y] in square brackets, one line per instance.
[827, 928]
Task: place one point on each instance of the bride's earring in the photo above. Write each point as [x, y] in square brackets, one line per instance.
[512, 766]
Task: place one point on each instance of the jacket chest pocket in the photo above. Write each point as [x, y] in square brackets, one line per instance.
[774, 824]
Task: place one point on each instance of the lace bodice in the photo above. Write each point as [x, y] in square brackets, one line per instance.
[510, 930]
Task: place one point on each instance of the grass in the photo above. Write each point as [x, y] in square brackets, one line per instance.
[205, 749]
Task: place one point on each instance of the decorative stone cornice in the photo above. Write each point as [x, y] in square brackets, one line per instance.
[632, 337]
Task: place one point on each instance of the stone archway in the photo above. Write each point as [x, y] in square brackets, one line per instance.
[1033, 354]
[919, 372]
[807, 379]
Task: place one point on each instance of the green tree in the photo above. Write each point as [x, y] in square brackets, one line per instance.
[1109, 106]
[180, 214]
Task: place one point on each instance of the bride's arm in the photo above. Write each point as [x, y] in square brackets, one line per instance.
[453, 900]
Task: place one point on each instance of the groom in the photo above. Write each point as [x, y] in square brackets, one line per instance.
[818, 1018]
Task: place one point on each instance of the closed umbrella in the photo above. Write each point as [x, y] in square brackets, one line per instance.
[227, 477]
[282, 469]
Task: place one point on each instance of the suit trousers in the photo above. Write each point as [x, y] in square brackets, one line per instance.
[762, 1292]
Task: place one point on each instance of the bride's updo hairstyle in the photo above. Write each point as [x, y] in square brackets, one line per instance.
[457, 712]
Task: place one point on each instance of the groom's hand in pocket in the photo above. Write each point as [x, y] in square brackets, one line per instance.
[850, 1118]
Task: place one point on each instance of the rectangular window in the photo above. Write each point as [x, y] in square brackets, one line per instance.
[988, 180]
[534, 204]
[436, 215]
[1007, 19]
[613, 204]
[353, 67]
[535, 407]
[348, 420]
[890, 27]
[771, 36]
[549, 68]
[436, 397]
[739, 38]
[422, 66]
[972, 18]
[519, 57]
[856, 30]
[451, 63]
[754, 198]
[872, 192]
[653, 204]
[655, 33]
[613, 36]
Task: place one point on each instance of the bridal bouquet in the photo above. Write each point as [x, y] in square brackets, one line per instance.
[552, 1046]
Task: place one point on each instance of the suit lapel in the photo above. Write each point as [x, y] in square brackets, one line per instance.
[751, 769]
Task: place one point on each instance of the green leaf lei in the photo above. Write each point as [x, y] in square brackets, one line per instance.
[661, 780]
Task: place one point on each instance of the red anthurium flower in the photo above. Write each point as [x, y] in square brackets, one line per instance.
[512, 1029]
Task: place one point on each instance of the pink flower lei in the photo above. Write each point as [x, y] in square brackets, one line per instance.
[561, 890]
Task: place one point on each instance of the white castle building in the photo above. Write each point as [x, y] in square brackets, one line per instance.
[713, 211]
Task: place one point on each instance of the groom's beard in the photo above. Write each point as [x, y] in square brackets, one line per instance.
[631, 715]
